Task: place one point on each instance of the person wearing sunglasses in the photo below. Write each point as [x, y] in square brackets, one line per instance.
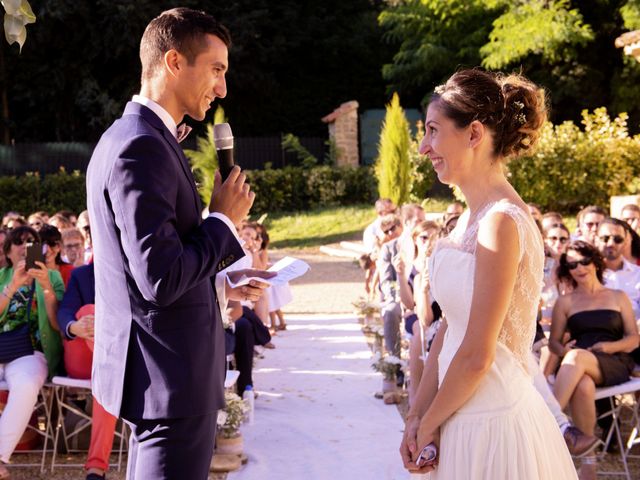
[52, 238]
[30, 345]
[631, 214]
[619, 272]
[556, 241]
[418, 310]
[588, 220]
[603, 332]
[391, 227]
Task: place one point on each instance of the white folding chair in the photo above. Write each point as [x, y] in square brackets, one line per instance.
[61, 384]
[43, 426]
[627, 392]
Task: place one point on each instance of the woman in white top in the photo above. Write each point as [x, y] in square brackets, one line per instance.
[476, 399]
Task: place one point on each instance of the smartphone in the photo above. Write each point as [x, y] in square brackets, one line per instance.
[34, 254]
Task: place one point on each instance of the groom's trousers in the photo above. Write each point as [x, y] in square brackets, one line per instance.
[171, 449]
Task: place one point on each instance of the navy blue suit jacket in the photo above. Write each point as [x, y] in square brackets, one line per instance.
[159, 341]
[80, 291]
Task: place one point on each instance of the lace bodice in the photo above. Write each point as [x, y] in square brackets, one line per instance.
[518, 331]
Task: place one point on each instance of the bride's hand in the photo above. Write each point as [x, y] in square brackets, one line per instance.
[408, 447]
[424, 438]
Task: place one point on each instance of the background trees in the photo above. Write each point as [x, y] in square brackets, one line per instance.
[567, 46]
[292, 62]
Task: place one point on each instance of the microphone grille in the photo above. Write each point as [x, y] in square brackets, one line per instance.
[222, 136]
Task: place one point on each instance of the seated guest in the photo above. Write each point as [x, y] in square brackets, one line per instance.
[412, 214]
[73, 246]
[556, 241]
[413, 288]
[75, 317]
[372, 234]
[619, 273]
[535, 211]
[3, 236]
[35, 221]
[249, 331]
[603, 332]
[51, 237]
[251, 246]
[551, 218]
[588, 220]
[69, 215]
[631, 214]
[85, 228]
[7, 218]
[631, 248]
[454, 209]
[61, 222]
[449, 224]
[391, 227]
[30, 347]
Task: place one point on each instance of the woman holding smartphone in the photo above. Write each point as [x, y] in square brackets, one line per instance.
[30, 345]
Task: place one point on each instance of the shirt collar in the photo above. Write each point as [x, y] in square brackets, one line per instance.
[165, 116]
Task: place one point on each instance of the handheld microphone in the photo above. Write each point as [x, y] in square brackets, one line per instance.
[223, 139]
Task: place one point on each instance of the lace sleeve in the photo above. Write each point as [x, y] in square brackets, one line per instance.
[518, 329]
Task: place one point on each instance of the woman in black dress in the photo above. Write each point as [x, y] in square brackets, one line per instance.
[603, 331]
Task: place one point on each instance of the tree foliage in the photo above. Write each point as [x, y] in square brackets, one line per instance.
[566, 46]
[393, 165]
[291, 63]
[204, 160]
[573, 168]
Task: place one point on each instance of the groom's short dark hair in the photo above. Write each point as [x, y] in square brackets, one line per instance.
[182, 29]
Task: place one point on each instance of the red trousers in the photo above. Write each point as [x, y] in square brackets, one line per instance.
[78, 356]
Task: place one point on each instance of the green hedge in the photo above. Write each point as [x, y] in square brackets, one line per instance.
[573, 168]
[289, 189]
[56, 191]
[296, 188]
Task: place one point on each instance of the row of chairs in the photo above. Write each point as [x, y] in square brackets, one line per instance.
[54, 405]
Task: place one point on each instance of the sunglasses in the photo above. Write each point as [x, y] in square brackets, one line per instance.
[21, 241]
[389, 230]
[616, 238]
[558, 239]
[584, 262]
[591, 225]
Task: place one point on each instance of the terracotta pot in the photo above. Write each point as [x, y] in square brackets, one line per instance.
[389, 386]
[229, 446]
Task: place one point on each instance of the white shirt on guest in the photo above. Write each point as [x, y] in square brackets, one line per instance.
[371, 233]
[626, 279]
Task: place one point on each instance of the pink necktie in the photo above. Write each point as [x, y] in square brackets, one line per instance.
[183, 131]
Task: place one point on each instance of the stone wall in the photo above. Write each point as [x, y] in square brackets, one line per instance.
[343, 130]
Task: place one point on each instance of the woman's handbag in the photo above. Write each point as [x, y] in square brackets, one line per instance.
[17, 343]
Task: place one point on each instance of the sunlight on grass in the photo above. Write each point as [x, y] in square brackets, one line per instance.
[327, 225]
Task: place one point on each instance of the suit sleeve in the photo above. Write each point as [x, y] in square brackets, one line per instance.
[70, 304]
[387, 274]
[143, 191]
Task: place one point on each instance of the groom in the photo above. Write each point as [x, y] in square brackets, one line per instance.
[159, 352]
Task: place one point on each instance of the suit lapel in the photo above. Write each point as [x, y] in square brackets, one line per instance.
[155, 121]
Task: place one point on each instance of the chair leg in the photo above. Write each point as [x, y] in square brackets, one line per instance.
[621, 445]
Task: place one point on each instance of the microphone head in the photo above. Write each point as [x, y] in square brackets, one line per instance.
[222, 136]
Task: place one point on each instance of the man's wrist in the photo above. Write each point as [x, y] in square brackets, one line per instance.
[69, 331]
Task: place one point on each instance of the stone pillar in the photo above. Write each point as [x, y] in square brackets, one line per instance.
[343, 130]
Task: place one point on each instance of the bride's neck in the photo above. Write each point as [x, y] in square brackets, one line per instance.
[482, 187]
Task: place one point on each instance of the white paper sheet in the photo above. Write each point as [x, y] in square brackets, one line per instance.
[287, 269]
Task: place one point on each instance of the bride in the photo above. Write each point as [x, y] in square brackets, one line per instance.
[476, 400]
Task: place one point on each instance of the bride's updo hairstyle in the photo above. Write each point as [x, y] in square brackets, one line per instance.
[511, 106]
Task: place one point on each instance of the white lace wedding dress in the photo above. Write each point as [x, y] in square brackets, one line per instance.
[505, 430]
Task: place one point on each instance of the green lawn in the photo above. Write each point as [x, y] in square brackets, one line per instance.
[327, 225]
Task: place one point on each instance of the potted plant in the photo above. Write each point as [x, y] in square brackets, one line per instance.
[366, 309]
[228, 438]
[387, 365]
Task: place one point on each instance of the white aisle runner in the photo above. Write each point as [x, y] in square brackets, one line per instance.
[316, 417]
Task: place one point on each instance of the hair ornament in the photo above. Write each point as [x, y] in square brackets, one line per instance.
[439, 90]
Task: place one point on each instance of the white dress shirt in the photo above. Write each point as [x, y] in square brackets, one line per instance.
[171, 125]
[626, 279]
